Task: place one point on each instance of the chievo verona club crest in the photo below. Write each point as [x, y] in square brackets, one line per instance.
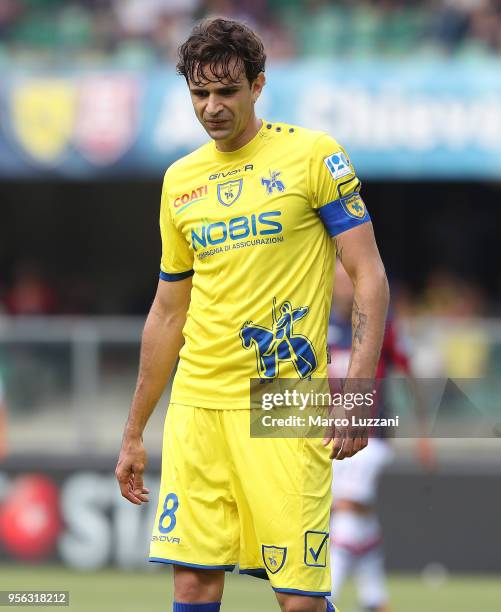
[274, 557]
[229, 192]
[354, 206]
[43, 116]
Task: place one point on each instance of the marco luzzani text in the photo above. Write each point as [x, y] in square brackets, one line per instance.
[350, 403]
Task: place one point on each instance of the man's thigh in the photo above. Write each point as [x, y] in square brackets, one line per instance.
[284, 484]
[196, 523]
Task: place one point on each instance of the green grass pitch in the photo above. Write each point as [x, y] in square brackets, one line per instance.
[114, 591]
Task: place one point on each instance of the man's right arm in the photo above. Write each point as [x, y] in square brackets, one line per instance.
[161, 342]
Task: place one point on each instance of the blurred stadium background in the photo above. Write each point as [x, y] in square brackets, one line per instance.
[91, 113]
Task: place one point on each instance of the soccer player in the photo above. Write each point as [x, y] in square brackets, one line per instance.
[250, 225]
[356, 538]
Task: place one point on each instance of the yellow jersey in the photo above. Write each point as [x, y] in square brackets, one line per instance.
[254, 227]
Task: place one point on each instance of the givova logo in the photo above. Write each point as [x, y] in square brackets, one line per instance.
[237, 228]
[219, 175]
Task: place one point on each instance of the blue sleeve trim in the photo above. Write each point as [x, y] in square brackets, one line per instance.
[175, 277]
[344, 214]
[226, 568]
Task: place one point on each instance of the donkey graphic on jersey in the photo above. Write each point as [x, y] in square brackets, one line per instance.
[273, 182]
[280, 343]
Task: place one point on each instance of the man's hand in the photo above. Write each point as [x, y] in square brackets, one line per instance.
[349, 433]
[129, 471]
[347, 445]
[347, 441]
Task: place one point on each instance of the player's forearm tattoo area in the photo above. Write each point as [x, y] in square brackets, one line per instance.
[339, 250]
[358, 324]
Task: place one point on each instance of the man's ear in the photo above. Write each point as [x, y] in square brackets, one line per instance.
[257, 86]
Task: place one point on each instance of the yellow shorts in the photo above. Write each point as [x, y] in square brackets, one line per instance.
[228, 499]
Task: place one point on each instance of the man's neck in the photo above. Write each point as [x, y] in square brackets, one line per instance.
[227, 146]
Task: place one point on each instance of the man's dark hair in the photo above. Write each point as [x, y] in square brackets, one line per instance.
[217, 44]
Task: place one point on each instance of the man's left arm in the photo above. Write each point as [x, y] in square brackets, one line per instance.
[334, 191]
[359, 254]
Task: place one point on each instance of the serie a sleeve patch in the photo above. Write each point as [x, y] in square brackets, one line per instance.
[338, 165]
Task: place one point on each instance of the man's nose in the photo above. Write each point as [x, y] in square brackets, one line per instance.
[213, 105]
